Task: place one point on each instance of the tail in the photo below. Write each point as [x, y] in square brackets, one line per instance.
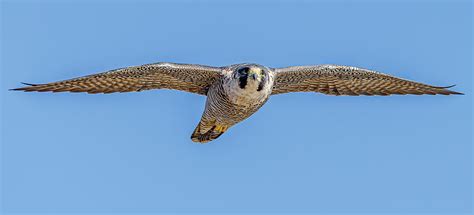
[201, 135]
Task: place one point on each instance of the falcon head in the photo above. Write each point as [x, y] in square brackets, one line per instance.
[251, 77]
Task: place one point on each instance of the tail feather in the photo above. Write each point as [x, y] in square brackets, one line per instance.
[213, 133]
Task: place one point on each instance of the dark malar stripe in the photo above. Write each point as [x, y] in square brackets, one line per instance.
[243, 81]
[260, 85]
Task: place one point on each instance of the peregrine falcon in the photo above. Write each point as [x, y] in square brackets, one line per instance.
[237, 91]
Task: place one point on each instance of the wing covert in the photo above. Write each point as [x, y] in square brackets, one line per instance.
[346, 80]
[185, 77]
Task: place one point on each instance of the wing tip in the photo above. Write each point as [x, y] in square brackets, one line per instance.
[26, 89]
[456, 93]
[450, 92]
[29, 84]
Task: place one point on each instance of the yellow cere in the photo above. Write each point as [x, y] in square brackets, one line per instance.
[256, 70]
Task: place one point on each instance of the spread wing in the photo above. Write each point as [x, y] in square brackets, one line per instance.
[186, 77]
[345, 80]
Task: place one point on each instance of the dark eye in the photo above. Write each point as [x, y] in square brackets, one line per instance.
[243, 71]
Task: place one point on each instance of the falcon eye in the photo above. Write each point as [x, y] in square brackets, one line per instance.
[243, 71]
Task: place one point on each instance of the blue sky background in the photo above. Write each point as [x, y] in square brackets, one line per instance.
[302, 152]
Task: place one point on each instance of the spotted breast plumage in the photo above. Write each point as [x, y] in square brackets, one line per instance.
[237, 91]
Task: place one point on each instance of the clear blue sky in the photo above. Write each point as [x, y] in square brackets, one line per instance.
[302, 152]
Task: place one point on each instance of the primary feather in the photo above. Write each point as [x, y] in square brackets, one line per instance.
[346, 80]
[185, 77]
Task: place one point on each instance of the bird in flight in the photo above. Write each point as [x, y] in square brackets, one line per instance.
[237, 91]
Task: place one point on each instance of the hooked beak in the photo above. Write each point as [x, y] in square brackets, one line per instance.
[254, 76]
[254, 73]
